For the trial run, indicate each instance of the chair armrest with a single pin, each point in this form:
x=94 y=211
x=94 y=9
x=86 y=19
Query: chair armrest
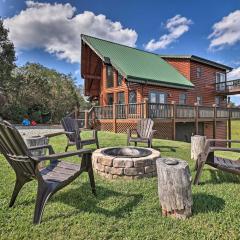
x=49 y=147
x=130 y=131
x=222 y=140
x=86 y=129
x=54 y=134
x=94 y=131
x=61 y=155
x=39 y=147
x=152 y=133
x=212 y=149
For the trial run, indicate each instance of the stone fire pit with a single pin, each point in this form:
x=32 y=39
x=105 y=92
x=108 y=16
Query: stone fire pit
x=125 y=162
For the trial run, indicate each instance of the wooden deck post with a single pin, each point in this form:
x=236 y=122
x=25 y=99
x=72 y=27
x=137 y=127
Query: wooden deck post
x=229 y=125
x=86 y=119
x=114 y=118
x=214 y=120
x=145 y=108
x=173 y=120
x=196 y=118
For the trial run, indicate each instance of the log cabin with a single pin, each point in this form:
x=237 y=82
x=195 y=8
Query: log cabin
x=183 y=94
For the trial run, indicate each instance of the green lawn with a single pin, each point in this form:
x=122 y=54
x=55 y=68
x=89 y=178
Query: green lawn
x=123 y=209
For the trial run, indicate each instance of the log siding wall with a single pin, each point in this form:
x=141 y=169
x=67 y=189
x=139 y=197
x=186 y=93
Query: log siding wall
x=204 y=87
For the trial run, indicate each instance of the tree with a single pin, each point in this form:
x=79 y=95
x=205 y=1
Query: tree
x=7 y=57
x=36 y=90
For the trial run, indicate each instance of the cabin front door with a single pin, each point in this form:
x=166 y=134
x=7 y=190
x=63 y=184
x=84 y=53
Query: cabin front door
x=157 y=109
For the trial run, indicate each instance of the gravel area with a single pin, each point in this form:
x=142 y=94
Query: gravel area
x=38 y=130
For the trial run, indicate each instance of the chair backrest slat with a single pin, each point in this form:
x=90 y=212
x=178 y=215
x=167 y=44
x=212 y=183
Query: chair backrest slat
x=144 y=127
x=15 y=150
x=70 y=125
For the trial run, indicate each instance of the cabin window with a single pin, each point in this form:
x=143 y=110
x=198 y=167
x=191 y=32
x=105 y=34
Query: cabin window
x=132 y=100
x=119 y=80
x=120 y=98
x=199 y=72
x=220 y=81
x=218 y=101
x=158 y=97
x=109 y=76
x=199 y=100
x=110 y=99
x=183 y=99
x=132 y=96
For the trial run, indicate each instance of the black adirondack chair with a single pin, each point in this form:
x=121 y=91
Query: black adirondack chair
x=144 y=132
x=73 y=134
x=50 y=179
x=208 y=157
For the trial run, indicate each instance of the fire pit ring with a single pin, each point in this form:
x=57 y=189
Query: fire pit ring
x=125 y=162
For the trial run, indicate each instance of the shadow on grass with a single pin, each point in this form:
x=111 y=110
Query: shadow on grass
x=203 y=203
x=165 y=148
x=218 y=176
x=84 y=201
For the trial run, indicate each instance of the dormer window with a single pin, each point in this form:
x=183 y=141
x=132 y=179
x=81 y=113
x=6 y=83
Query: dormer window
x=109 y=76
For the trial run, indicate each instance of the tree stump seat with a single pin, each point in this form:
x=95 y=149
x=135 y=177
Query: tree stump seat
x=174 y=187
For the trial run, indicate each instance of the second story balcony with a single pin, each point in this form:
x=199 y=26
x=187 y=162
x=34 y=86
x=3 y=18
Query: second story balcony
x=230 y=87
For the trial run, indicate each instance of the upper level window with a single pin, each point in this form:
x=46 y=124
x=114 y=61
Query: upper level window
x=110 y=99
x=199 y=100
x=199 y=72
x=119 y=79
x=109 y=76
x=220 y=81
x=183 y=98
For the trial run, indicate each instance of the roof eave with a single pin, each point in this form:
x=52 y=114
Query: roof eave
x=158 y=83
x=199 y=59
x=103 y=58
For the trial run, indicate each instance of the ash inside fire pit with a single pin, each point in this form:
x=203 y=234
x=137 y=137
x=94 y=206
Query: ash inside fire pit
x=127 y=152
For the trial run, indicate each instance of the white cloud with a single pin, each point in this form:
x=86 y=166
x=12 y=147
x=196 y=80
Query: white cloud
x=225 y=32
x=234 y=74
x=56 y=28
x=176 y=27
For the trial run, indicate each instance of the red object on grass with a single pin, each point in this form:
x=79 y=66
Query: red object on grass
x=33 y=123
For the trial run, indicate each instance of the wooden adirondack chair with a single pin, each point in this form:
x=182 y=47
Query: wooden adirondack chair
x=207 y=157
x=144 y=132
x=73 y=134
x=50 y=179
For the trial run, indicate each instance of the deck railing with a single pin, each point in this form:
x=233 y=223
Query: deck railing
x=205 y=112
x=164 y=111
x=168 y=112
x=105 y=112
x=159 y=110
x=228 y=86
x=129 y=111
x=185 y=112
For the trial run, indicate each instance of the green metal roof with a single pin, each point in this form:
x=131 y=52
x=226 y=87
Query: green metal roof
x=137 y=65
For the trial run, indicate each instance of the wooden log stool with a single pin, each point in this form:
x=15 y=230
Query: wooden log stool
x=197 y=147
x=174 y=187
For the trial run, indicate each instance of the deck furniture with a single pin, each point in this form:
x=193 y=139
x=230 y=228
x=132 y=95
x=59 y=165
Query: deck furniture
x=73 y=133
x=208 y=157
x=50 y=179
x=144 y=132
x=174 y=187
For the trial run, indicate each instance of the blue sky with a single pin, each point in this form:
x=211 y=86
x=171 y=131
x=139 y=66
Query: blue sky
x=48 y=31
